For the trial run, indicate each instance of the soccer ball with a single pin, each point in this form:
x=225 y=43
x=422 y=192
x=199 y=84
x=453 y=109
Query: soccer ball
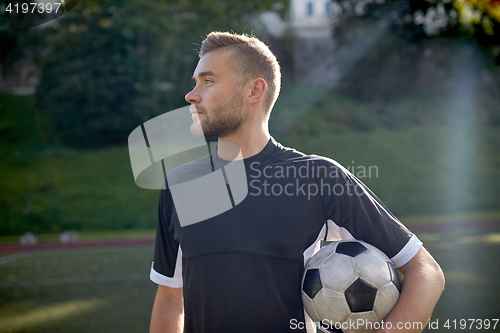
x=350 y=286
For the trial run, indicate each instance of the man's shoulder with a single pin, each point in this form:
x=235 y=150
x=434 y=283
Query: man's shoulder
x=292 y=155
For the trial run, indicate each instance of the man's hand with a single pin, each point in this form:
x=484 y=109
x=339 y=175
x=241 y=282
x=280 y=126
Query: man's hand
x=168 y=311
x=423 y=283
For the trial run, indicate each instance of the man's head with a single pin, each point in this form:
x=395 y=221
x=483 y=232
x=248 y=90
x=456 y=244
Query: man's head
x=250 y=59
x=237 y=82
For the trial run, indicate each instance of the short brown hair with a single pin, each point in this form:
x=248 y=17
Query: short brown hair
x=252 y=59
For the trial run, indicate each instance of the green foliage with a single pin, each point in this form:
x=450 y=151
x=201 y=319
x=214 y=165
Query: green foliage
x=62 y=190
x=431 y=130
x=115 y=64
x=414 y=172
x=17 y=46
x=98 y=80
x=399 y=85
x=420 y=19
x=50 y=189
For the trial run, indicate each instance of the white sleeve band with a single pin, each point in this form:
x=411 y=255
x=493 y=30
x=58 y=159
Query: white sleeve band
x=173 y=282
x=165 y=280
x=407 y=252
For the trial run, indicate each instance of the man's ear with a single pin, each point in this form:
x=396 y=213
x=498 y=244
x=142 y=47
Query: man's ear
x=257 y=90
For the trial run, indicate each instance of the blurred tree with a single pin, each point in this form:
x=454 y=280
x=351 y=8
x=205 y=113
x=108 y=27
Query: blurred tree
x=481 y=18
x=15 y=47
x=112 y=65
x=417 y=19
x=420 y=50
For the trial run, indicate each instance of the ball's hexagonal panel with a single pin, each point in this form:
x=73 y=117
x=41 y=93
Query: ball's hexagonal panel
x=316 y=260
x=372 y=269
x=387 y=297
x=312 y=282
x=338 y=272
x=395 y=278
x=352 y=249
x=367 y=322
x=331 y=306
x=309 y=306
x=360 y=296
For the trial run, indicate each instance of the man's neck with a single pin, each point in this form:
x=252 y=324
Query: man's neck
x=250 y=142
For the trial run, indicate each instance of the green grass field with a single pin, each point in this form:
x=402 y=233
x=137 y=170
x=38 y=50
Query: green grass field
x=84 y=290
x=108 y=289
x=469 y=259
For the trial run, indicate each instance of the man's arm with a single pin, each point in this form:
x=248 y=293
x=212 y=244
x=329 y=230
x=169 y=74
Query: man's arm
x=423 y=283
x=168 y=311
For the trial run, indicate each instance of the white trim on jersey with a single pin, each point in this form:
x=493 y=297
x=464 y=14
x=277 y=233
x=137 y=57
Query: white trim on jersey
x=407 y=252
x=336 y=233
x=172 y=282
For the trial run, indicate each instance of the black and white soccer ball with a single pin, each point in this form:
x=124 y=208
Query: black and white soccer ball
x=351 y=286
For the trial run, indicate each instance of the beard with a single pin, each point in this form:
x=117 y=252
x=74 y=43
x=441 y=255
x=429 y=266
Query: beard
x=224 y=119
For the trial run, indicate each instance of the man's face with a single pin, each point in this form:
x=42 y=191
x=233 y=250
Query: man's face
x=216 y=100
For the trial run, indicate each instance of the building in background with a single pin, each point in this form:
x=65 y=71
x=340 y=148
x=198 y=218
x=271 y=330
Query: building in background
x=309 y=25
x=313 y=18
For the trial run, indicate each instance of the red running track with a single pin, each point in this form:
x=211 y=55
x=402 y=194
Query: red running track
x=77 y=244
x=151 y=240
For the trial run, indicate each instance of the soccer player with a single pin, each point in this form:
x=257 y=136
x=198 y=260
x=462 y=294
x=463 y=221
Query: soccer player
x=241 y=270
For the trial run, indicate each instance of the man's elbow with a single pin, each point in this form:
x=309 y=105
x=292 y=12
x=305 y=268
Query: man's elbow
x=426 y=270
x=438 y=275
x=433 y=273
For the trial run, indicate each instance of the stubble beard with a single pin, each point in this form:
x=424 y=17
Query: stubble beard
x=224 y=120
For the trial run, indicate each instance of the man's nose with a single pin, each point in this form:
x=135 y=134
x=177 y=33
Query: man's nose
x=193 y=97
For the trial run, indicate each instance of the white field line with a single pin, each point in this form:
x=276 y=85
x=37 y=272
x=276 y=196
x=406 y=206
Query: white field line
x=14 y=257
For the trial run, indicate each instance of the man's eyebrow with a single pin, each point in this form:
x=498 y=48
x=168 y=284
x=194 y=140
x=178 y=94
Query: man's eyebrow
x=203 y=74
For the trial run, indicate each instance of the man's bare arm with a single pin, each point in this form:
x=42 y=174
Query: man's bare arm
x=168 y=311
x=423 y=283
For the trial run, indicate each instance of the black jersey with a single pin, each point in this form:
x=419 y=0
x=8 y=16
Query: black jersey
x=241 y=270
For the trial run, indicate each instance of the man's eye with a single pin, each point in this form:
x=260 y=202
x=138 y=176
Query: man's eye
x=207 y=81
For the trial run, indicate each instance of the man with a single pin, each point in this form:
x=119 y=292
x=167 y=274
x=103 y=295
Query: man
x=240 y=271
